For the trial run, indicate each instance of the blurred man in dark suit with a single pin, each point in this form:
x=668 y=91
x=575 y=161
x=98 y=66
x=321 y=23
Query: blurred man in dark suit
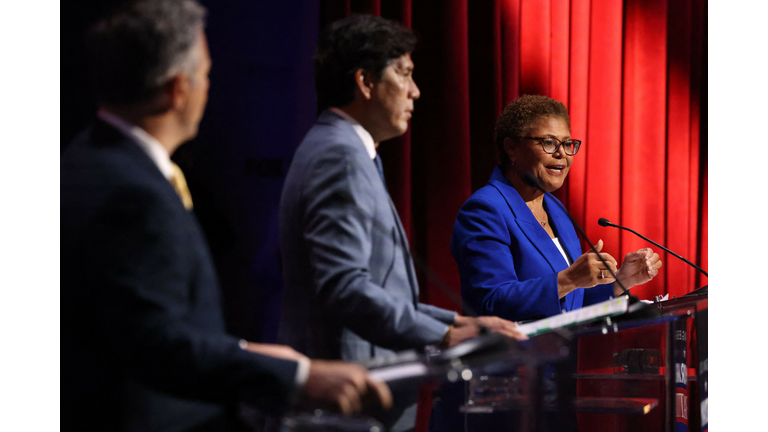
x=143 y=340
x=351 y=288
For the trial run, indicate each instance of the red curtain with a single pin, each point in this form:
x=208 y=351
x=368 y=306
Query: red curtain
x=633 y=76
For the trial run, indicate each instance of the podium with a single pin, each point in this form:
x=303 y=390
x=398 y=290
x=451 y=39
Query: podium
x=610 y=367
x=489 y=355
x=656 y=360
x=644 y=369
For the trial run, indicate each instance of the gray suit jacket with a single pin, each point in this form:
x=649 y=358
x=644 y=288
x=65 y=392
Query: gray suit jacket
x=350 y=286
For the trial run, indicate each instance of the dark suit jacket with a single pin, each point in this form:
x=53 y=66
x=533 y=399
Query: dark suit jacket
x=507 y=262
x=143 y=340
x=350 y=286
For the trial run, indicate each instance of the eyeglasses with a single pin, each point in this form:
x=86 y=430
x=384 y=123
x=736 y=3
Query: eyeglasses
x=550 y=145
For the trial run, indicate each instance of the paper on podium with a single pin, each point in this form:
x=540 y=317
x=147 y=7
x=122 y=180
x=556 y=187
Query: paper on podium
x=400 y=371
x=614 y=306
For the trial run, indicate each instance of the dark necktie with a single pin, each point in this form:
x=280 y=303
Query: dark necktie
x=380 y=168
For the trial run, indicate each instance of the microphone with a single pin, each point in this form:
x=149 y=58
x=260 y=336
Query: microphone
x=532 y=181
x=605 y=223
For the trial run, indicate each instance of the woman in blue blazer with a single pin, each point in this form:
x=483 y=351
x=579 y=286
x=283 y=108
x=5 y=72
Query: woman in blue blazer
x=517 y=252
x=516 y=249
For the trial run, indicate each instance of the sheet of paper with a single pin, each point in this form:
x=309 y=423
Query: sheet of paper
x=391 y=373
x=610 y=307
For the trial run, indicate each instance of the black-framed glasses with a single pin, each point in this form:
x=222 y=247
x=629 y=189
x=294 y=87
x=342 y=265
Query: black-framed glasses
x=550 y=144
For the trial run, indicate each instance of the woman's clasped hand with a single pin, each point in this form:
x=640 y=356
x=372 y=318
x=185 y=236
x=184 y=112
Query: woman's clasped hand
x=589 y=270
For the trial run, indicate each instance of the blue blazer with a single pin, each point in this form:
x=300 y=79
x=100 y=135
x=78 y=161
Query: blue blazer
x=507 y=262
x=143 y=343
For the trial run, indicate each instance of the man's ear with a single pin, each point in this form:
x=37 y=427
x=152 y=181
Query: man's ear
x=364 y=83
x=177 y=91
x=509 y=149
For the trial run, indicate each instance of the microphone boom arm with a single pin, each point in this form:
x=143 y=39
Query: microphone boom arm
x=591 y=245
x=656 y=244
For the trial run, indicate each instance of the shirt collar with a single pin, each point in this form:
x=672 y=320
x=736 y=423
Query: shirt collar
x=361 y=132
x=146 y=142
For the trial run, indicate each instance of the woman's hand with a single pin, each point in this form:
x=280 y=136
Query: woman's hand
x=587 y=271
x=637 y=268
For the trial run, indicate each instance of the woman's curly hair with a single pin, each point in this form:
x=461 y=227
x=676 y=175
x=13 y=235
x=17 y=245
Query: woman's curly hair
x=519 y=115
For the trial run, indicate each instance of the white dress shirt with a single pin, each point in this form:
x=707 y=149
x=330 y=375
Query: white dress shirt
x=559 y=245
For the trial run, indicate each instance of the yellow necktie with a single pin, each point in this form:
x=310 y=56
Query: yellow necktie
x=180 y=184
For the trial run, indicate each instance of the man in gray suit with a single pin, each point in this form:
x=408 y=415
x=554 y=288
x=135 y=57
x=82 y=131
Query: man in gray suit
x=350 y=286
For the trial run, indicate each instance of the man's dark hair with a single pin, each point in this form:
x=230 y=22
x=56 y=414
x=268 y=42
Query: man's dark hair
x=135 y=51
x=521 y=114
x=356 y=42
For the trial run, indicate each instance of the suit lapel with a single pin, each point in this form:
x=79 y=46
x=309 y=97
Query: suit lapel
x=104 y=135
x=406 y=252
x=570 y=242
x=528 y=224
x=562 y=224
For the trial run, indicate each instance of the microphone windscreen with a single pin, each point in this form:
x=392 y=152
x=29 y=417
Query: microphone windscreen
x=531 y=180
x=603 y=222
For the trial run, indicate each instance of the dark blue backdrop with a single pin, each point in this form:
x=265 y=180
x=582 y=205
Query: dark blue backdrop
x=261 y=103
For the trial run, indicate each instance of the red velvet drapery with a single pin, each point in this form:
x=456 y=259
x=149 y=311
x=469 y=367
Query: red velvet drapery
x=633 y=76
